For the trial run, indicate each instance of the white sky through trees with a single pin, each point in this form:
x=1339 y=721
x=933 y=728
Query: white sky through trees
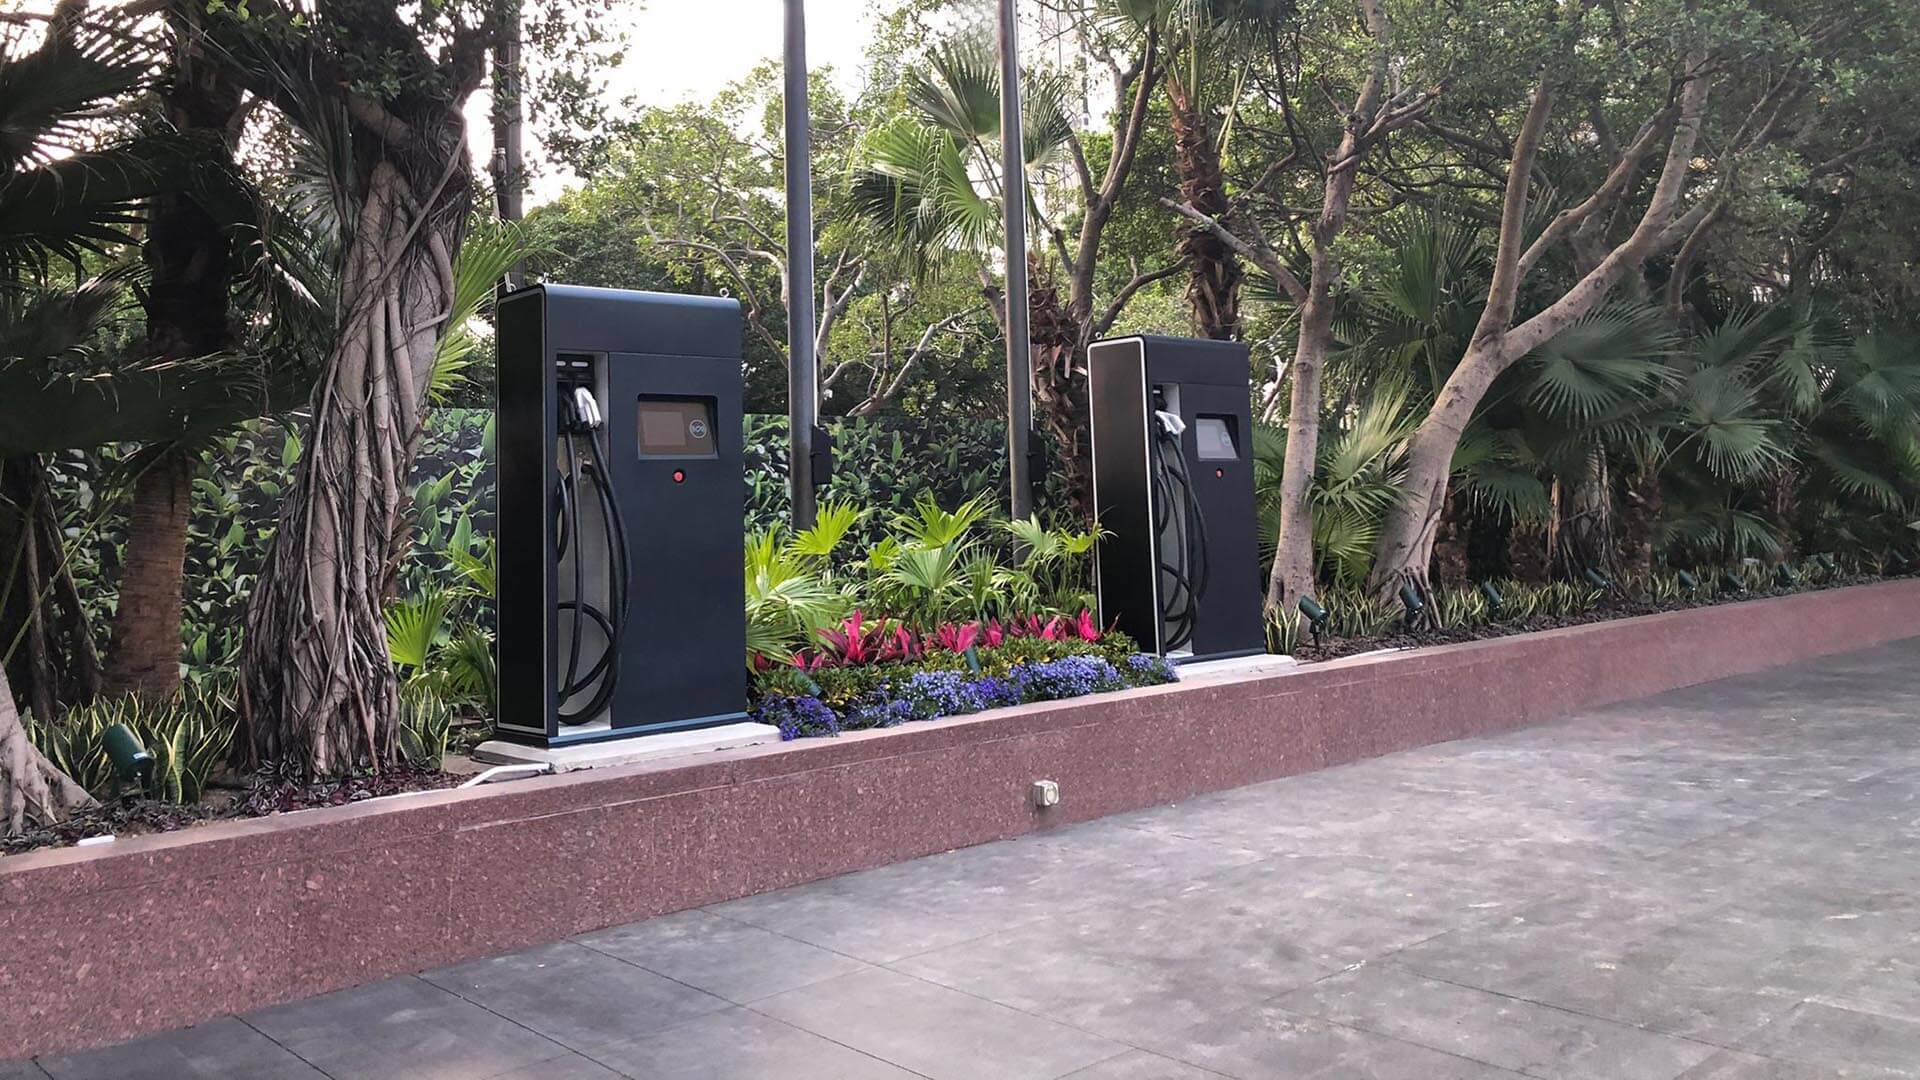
x=680 y=50
x=676 y=50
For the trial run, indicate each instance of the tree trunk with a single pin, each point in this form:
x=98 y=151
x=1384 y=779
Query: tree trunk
x=1406 y=540
x=1640 y=514
x=1450 y=542
x=45 y=642
x=1528 y=556
x=318 y=688
x=1060 y=385
x=1213 y=270
x=1583 y=519
x=189 y=256
x=1292 y=575
x=144 y=657
x=1407 y=535
x=31 y=789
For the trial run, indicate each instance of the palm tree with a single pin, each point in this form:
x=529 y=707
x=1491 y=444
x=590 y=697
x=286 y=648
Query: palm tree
x=67 y=194
x=1210 y=40
x=932 y=184
x=1355 y=479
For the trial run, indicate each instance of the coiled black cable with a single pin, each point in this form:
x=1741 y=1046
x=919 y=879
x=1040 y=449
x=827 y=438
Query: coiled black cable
x=606 y=669
x=1189 y=570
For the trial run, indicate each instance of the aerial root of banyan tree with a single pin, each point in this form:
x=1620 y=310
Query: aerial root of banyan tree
x=318 y=688
x=32 y=790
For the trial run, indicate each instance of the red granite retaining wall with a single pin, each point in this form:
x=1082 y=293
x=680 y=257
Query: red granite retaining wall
x=98 y=944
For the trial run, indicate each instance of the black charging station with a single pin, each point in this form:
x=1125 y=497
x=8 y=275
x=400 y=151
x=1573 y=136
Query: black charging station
x=621 y=497
x=1178 y=563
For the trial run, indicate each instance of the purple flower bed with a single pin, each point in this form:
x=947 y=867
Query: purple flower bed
x=929 y=695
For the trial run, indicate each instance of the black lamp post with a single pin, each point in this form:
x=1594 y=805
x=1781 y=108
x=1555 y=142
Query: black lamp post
x=803 y=384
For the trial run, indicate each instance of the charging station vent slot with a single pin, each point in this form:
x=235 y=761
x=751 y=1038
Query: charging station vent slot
x=574 y=369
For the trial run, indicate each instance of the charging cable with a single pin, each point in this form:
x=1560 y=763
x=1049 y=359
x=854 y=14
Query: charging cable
x=1187 y=572
x=584 y=444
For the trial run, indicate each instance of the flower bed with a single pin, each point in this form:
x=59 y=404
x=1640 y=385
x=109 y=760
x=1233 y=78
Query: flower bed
x=869 y=675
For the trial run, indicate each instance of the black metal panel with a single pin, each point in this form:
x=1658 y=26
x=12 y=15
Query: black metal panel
x=1229 y=620
x=523 y=536
x=1125 y=558
x=683 y=654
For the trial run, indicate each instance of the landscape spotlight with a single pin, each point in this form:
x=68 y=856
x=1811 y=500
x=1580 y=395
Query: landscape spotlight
x=1730 y=582
x=1688 y=582
x=1410 y=599
x=1317 y=616
x=1898 y=561
x=1783 y=575
x=132 y=763
x=1494 y=600
x=1597 y=579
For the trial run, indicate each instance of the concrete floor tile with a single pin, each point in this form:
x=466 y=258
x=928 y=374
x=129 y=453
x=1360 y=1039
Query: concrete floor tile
x=1269 y=1042
x=723 y=957
x=402 y=1029
x=740 y=1044
x=218 y=1048
x=1123 y=975
x=1890 y=987
x=21 y=1070
x=1734 y=1065
x=1831 y=1037
x=565 y=1067
x=1483 y=1026
x=937 y=1032
x=574 y=995
x=1140 y=1065
x=845 y=916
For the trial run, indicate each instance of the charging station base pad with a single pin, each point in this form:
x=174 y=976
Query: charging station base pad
x=600 y=755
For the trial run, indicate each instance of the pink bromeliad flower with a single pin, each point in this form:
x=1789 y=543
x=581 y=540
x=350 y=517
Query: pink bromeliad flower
x=957 y=637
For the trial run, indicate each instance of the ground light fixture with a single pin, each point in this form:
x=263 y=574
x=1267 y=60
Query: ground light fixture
x=1410 y=599
x=1688 y=582
x=1317 y=616
x=1784 y=576
x=132 y=762
x=1597 y=579
x=1730 y=582
x=1491 y=593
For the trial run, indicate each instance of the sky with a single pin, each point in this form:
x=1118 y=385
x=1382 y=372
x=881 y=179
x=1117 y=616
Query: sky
x=690 y=49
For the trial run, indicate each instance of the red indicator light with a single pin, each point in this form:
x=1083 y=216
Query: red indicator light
x=1219 y=472
x=679 y=476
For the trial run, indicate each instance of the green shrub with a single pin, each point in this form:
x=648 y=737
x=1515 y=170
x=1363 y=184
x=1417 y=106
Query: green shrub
x=426 y=727
x=1284 y=631
x=188 y=736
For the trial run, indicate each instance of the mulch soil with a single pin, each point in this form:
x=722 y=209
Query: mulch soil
x=264 y=794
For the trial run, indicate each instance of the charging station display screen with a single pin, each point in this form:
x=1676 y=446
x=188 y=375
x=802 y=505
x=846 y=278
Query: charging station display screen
x=1213 y=438
x=676 y=427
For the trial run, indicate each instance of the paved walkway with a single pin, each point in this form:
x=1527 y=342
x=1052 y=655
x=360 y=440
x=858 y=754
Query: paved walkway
x=1717 y=884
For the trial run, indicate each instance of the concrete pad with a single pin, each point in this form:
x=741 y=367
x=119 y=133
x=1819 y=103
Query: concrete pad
x=1236 y=667
x=601 y=755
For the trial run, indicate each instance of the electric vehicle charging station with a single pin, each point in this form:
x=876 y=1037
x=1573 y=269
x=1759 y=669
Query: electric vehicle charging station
x=1178 y=565
x=621 y=496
